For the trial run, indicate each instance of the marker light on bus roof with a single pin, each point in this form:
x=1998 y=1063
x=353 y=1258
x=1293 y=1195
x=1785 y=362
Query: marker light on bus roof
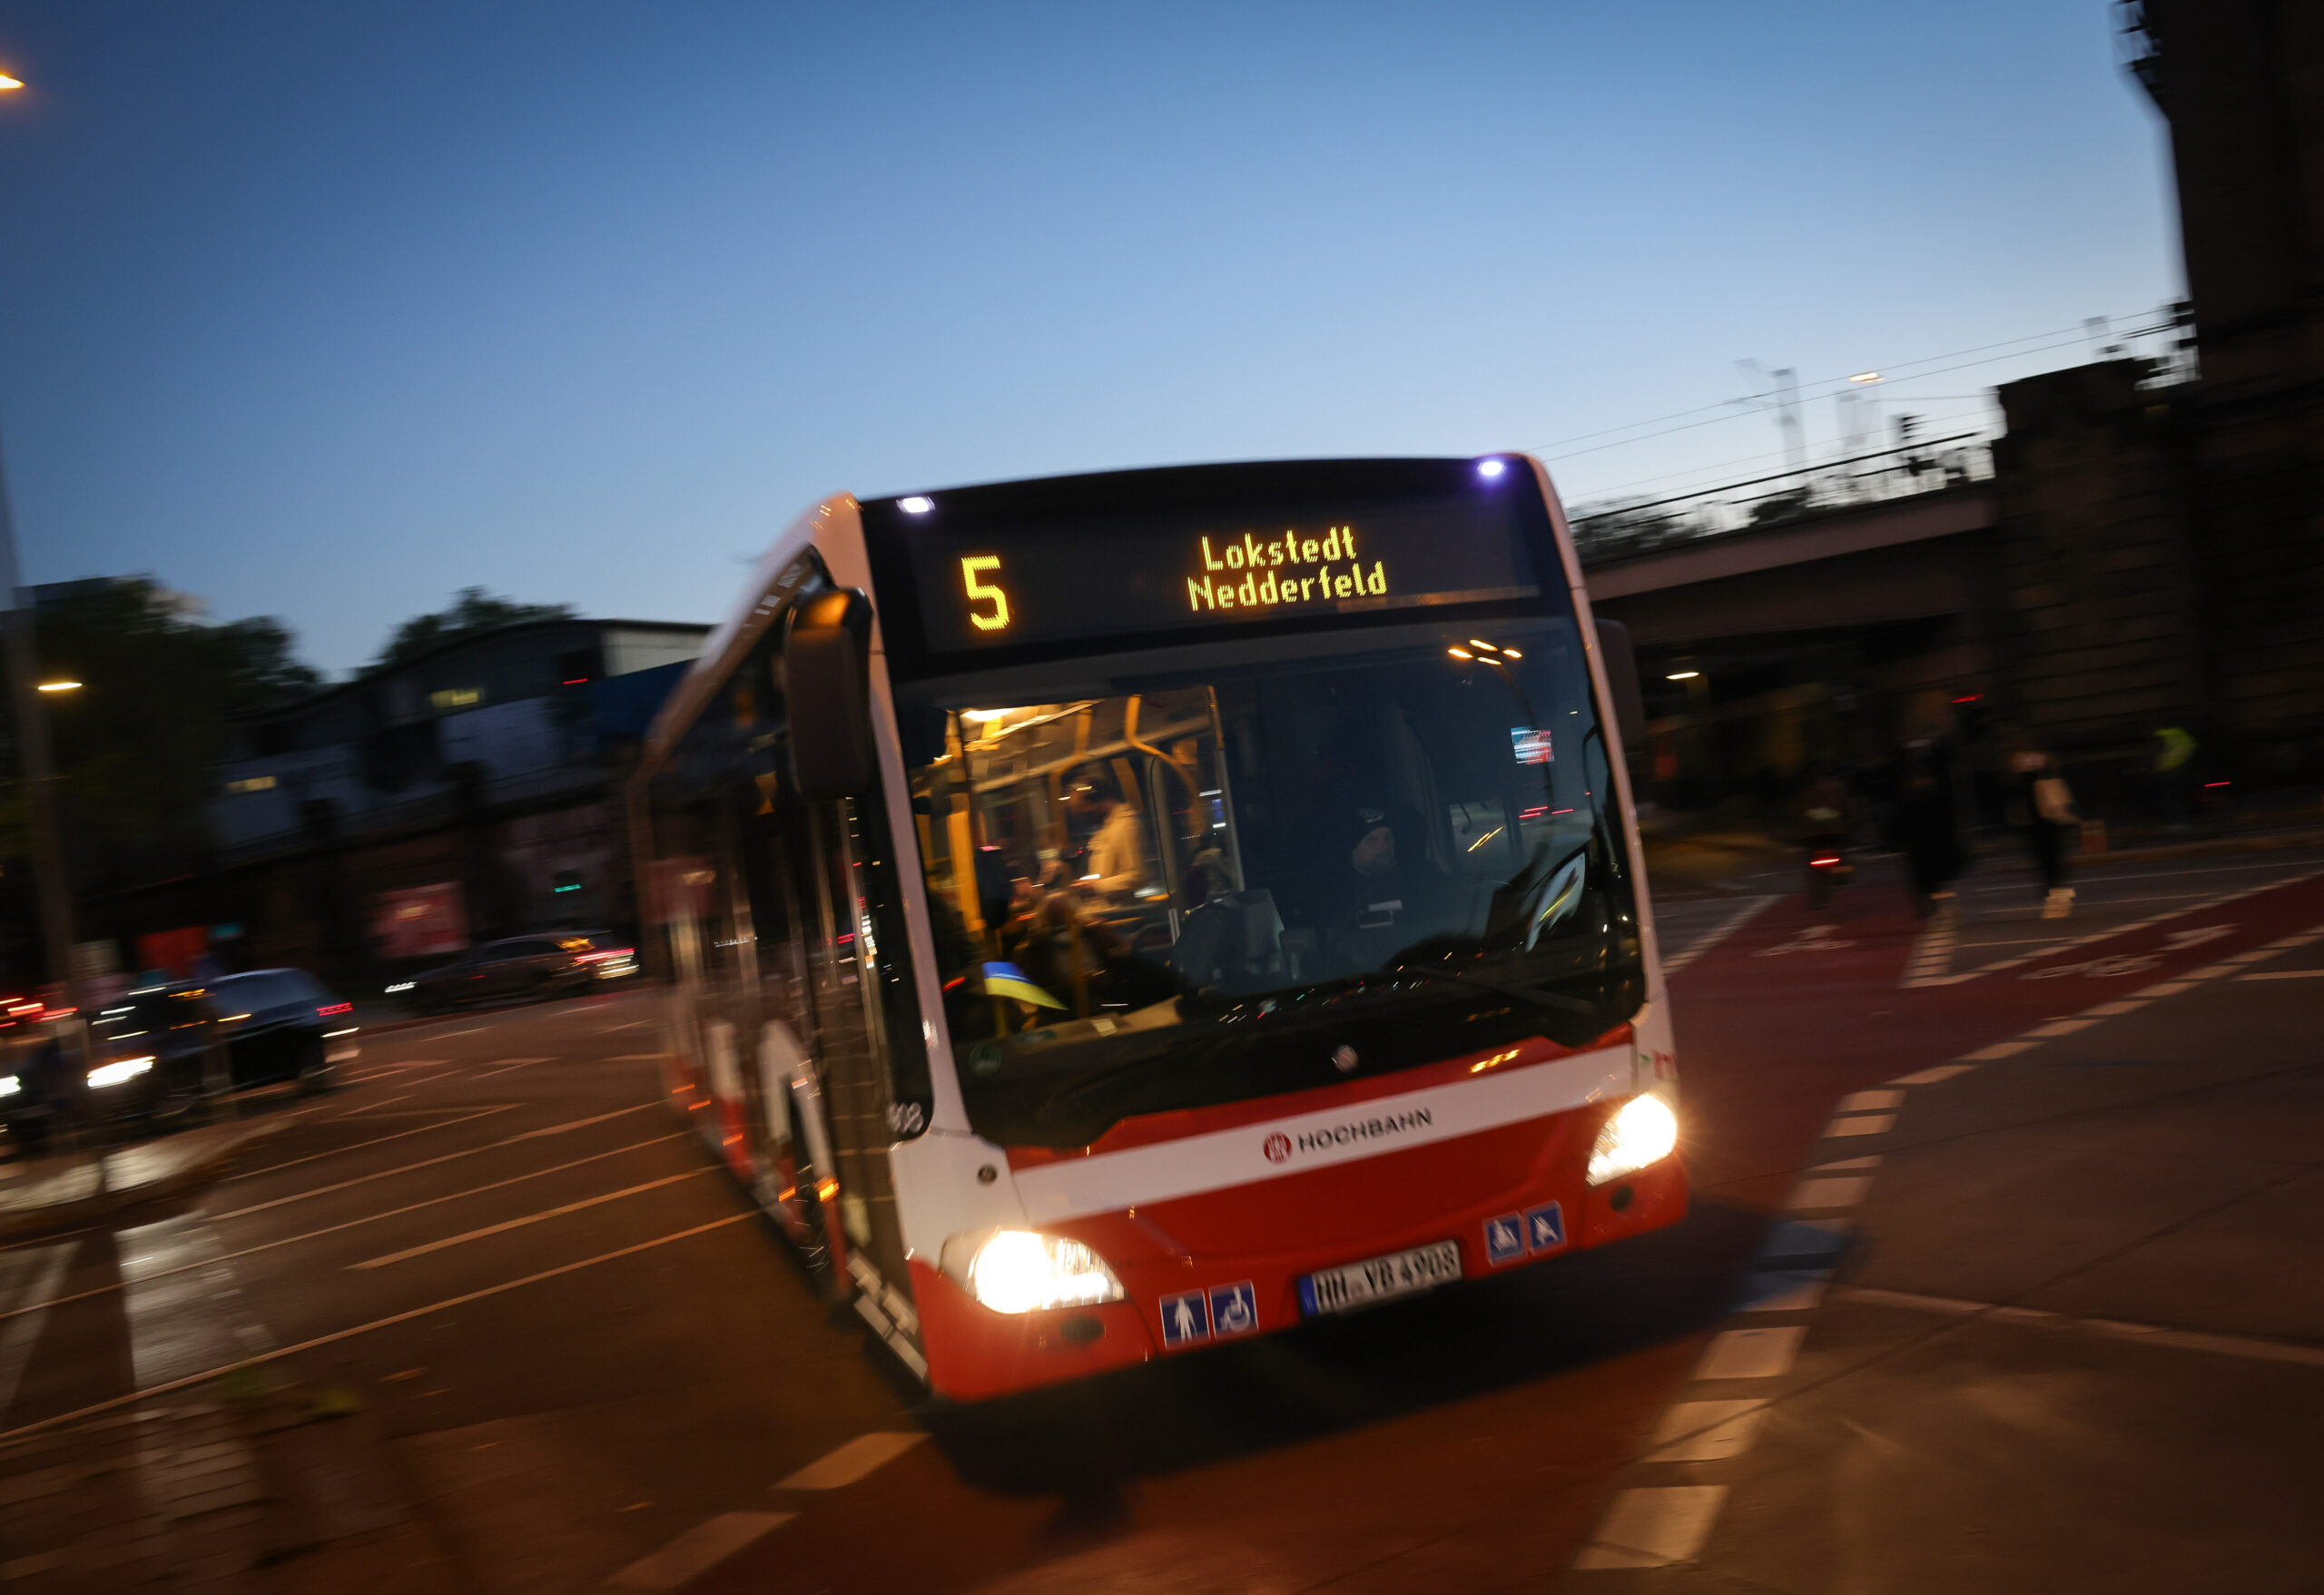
x=1643 y=1130
x=1490 y=468
x=918 y=504
x=1017 y=1271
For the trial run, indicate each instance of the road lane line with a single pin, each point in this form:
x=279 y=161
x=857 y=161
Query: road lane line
x=361 y=1179
x=698 y=1550
x=1875 y=1101
x=1869 y=1124
x=1824 y=1195
x=857 y=1459
x=374 y=1141
x=2111 y=930
x=1752 y=1353
x=292 y=1240
x=1930 y=1076
x=368 y=1108
x=1655 y=1527
x=2284 y=975
x=632 y=1024
x=510 y=1063
x=390 y=1321
x=1718 y=934
x=1707 y=1431
x=542 y=1216
x=2252 y=1347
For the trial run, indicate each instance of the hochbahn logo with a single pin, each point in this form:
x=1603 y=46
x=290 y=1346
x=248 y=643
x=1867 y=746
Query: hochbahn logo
x=1278 y=1147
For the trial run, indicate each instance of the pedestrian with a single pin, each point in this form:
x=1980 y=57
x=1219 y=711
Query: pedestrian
x=2173 y=770
x=2040 y=806
x=1928 y=827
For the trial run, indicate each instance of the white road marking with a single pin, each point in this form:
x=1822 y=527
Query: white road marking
x=39 y=1272
x=361 y=1179
x=1654 y=1527
x=392 y=1319
x=181 y=1304
x=1827 y=1196
x=2190 y=1340
x=1742 y=916
x=289 y=1240
x=698 y=1550
x=1870 y=1124
x=1783 y=1290
x=2284 y=975
x=632 y=1024
x=1931 y=1077
x=540 y=1217
x=1707 y=1431
x=508 y=1063
x=2111 y=930
x=858 y=1458
x=367 y=1107
x=374 y=1141
x=1879 y=1101
x=1931 y=956
x=447 y=1035
x=1846 y=1164
x=1752 y=1353
x=1997 y=1051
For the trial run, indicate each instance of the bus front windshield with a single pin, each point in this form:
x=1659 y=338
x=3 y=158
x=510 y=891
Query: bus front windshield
x=1314 y=858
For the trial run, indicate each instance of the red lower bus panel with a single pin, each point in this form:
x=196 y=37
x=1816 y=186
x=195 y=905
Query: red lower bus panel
x=975 y=1353
x=1233 y=1258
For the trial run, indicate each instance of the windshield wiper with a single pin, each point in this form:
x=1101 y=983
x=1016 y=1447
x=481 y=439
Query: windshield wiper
x=1533 y=995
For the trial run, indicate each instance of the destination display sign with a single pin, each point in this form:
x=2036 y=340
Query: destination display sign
x=988 y=586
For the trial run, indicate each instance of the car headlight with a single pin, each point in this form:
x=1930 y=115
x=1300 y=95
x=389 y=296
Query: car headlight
x=118 y=1073
x=10 y=1085
x=1643 y=1130
x=1018 y=1270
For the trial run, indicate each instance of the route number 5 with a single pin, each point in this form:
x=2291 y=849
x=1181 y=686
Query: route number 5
x=981 y=591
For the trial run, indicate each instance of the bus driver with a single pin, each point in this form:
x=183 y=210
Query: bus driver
x=1118 y=847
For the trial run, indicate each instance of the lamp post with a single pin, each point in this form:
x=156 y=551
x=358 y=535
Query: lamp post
x=32 y=759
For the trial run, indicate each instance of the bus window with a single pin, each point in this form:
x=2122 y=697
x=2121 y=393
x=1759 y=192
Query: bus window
x=1140 y=874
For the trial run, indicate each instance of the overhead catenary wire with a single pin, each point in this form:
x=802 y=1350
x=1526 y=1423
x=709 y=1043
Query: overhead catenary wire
x=2060 y=337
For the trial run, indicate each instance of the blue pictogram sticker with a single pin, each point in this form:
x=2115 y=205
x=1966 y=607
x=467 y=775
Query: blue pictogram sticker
x=1504 y=1240
x=1544 y=1228
x=1185 y=1318
x=1235 y=1309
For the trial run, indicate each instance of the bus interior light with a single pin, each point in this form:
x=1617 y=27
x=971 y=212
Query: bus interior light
x=1018 y=1270
x=1643 y=1131
x=10 y=1085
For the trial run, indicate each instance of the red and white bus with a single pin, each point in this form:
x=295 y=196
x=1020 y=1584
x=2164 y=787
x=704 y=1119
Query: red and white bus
x=1113 y=915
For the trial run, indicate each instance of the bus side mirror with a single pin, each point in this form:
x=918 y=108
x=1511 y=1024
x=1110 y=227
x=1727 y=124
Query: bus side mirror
x=827 y=694
x=1620 y=660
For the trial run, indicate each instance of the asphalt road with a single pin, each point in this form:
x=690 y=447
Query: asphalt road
x=581 y=1353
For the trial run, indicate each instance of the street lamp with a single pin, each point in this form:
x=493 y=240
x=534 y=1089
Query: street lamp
x=7 y=83
x=60 y=686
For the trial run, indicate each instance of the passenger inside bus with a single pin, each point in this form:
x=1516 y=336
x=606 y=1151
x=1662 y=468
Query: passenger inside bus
x=1117 y=845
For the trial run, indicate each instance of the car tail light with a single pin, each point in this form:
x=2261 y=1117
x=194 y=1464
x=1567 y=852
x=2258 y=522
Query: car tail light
x=334 y=1008
x=1826 y=858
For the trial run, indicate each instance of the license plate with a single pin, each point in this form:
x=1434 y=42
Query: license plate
x=1382 y=1279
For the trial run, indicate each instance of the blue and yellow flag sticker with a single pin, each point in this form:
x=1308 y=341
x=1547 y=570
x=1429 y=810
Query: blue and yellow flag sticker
x=1004 y=980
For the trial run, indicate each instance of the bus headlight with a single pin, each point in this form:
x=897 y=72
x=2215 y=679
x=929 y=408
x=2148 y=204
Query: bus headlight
x=118 y=1073
x=10 y=1085
x=1018 y=1270
x=1643 y=1130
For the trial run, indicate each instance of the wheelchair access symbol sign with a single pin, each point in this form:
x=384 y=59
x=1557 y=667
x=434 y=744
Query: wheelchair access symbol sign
x=1234 y=1309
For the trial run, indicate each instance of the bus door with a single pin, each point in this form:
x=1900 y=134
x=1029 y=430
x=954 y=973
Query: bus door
x=848 y=903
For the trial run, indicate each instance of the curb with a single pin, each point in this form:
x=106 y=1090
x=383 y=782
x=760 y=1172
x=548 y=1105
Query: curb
x=33 y=1223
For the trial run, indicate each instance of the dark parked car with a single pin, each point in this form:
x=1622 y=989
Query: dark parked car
x=151 y=1056
x=554 y=963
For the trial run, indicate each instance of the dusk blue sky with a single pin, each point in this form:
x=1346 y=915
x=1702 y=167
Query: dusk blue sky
x=325 y=310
